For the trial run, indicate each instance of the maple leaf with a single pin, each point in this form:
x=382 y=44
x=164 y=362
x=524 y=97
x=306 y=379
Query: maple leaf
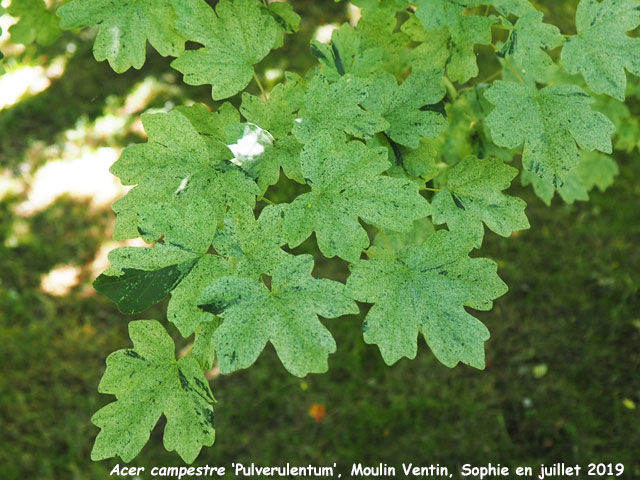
x=346 y=54
x=423 y=289
x=148 y=382
x=184 y=183
x=124 y=27
x=465 y=31
x=594 y=169
x=472 y=195
x=36 y=23
x=278 y=113
x=333 y=107
x=528 y=41
x=602 y=50
x=550 y=123
x=236 y=36
x=285 y=314
x=346 y=184
x=406 y=107
x=252 y=246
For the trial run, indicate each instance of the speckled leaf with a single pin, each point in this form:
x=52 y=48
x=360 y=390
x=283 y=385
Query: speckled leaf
x=124 y=27
x=505 y=7
x=285 y=16
x=36 y=23
x=252 y=246
x=549 y=122
x=236 y=36
x=472 y=195
x=202 y=349
x=424 y=290
x=602 y=50
x=183 y=185
x=410 y=108
x=465 y=31
x=336 y=107
x=140 y=277
x=346 y=184
x=285 y=315
x=529 y=40
x=148 y=382
x=594 y=169
x=346 y=54
x=278 y=113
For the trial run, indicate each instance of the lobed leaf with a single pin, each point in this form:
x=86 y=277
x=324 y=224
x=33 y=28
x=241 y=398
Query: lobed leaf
x=148 y=382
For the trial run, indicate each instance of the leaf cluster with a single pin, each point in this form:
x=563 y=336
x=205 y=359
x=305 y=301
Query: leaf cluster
x=403 y=150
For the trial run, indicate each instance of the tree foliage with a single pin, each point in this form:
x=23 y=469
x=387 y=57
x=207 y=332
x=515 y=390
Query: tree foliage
x=403 y=148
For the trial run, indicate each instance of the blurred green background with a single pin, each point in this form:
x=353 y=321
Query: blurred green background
x=561 y=382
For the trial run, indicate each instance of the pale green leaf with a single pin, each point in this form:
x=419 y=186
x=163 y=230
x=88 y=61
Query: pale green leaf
x=424 y=290
x=602 y=50
x=140 y=277
x=278 y=113
x=124 y=27
x=36 y=23
x=594 y=169
x=183 y=185
x=347 y=184
x=465 y=31
x=472 y=195
x=336 y=107
x=148 y=382
x=236 y=36
x=528 y=42
x=551 y=123
x=409 y=108
x=252 y=246
x=285 y=315
x=347 y=54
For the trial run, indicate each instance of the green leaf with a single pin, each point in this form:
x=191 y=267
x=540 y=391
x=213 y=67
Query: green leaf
x=183 y=184
x=202 y=349
x=528 y=41
x=424 y=290
x=333 y=107
x=124 y=27
x=261 y=156
x=36 y=23
x=252 y=246
x=279 y=149
x=595 y=169
x=378 y=31
x=549 y=122
x=136 y=289
x=516 y=7
x=236 y=36
x=346 y=184
x=148 y=382
x=346 y=54
x=140 y=277
x=370 y=7
x=278 y=113
x=465 y=31
x=602 y=50
x=472 y=195
x=409 y=108
x=285 y=315
x=285 y=16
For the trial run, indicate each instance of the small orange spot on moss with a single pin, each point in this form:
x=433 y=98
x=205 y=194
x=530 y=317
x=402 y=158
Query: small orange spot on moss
x=317 y=412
